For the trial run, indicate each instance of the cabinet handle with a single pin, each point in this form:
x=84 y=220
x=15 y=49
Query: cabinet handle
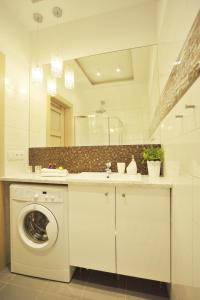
x=106 y=194
x=123 y=195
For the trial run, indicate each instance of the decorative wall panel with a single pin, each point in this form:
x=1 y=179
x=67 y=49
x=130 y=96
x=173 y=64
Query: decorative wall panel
x=182 y=76
x=88 y=158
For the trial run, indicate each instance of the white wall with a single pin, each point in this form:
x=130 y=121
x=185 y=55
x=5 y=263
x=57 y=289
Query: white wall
x=128 y=101
x=14 y=41
x=181 y=140
x=121 y=29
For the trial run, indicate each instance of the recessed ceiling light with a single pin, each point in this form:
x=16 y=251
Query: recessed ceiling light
x=118 y=70
x=98 y=74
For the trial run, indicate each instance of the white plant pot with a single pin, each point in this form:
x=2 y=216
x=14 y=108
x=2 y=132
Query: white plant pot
x=153 y=168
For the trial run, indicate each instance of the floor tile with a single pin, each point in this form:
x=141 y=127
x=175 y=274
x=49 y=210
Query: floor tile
x=85 y=285
x=6 y=275
x=2 y=285
x=97 y=293
x=10 y=292
x=72 y=289
x=47 y=296
x=30 y=282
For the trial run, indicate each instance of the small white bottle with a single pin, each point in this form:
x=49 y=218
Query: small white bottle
x=132 y=167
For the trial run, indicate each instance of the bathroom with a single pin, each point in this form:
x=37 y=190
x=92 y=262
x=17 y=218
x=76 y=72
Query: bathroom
x=156 y=43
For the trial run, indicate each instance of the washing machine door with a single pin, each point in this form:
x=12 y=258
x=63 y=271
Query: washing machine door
x=37 y=227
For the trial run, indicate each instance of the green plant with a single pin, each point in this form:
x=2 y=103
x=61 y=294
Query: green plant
x=153 y=153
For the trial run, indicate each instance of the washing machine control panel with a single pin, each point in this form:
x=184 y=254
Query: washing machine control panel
x=38 y=194
x=45 y=197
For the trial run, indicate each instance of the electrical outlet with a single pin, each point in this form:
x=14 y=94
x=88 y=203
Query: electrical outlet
x=15 y=155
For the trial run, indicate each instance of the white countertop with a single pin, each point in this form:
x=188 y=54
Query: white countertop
x=91 y=178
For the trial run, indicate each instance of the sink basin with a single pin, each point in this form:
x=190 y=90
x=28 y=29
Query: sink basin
x=93 y=175
x=112 y=176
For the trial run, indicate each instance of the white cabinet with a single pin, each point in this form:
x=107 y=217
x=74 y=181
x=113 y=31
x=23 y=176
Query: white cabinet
x=120 y=229
x=92 y=227
x=143 y=232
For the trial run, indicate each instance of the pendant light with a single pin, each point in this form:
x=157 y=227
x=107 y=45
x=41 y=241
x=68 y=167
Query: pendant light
x=56 y=60
x=69 y=79
x=37 y=70
x=51 y=87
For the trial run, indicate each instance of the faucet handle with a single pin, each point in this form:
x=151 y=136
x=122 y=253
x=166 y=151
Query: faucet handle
x=108 y=164
x=108 y=168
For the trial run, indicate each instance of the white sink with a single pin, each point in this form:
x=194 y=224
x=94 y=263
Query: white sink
x=112 y=176
x=93 y=175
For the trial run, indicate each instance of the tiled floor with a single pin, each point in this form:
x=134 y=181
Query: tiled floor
x=85 y=285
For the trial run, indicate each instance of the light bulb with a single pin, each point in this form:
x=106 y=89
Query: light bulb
x=69 y=79
x=56 y=66
x=51 y=87
x=37 y=74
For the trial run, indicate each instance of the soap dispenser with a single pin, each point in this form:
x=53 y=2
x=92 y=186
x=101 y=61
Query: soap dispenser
x=132 y=167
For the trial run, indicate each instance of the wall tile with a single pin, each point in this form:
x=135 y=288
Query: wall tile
x=88 y=158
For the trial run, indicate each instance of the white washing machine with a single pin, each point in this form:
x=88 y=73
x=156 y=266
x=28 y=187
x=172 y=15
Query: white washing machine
x=39 y=231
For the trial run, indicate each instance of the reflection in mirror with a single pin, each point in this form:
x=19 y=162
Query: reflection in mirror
x=111 y=102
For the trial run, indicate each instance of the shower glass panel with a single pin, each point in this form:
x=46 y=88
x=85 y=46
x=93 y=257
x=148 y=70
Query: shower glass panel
x=97 y=130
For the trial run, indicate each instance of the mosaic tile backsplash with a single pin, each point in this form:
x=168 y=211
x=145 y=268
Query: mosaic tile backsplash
x=88 y=158
x=182 y=76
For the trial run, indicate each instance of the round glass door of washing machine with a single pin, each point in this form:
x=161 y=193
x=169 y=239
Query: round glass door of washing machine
x=37 y=227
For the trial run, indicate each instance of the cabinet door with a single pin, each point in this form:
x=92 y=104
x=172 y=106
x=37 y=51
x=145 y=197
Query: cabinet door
x=92 y=227
x=143 y=232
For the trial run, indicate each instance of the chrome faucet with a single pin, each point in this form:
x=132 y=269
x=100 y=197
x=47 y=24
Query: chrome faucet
x=108 y=168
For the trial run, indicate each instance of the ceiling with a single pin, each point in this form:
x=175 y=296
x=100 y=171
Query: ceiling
x=72 y=9
x=107 y=67
x=134 y=64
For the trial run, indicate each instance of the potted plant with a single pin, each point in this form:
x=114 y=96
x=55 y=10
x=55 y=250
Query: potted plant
x=154 y=156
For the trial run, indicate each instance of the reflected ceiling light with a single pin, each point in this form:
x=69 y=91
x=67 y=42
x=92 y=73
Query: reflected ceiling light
x=37 y=70
x=56 y=66
x=56 y=60
x=69 y=79
x=37 y=74
x=118 y=70
x=98 y=74
x=51 y=87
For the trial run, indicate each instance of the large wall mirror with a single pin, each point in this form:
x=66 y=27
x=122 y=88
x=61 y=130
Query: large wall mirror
x=111 y=103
